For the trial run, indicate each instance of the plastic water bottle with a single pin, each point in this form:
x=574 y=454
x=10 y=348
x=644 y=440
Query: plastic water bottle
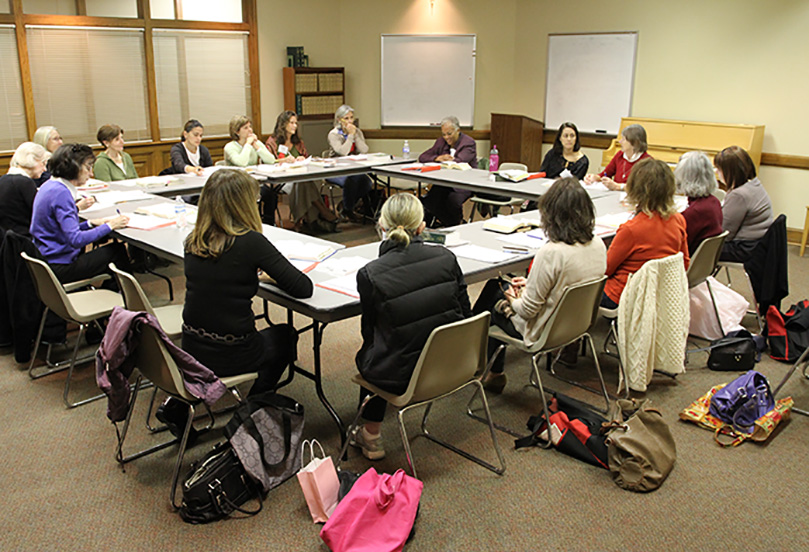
x=494 y=159
x=406 y=150
x=179 y=213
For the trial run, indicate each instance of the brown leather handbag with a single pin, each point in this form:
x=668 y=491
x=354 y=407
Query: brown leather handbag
x=640 y=447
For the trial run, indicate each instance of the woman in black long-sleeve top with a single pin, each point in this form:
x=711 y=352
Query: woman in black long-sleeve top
x=189 y=155
x=565 y=154
x=223 y=255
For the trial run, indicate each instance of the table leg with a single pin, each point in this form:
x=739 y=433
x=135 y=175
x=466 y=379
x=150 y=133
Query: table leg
x=317 y=338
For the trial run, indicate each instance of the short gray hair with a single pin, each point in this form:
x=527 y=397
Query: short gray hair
x=694 y=175
x=28 y=154
x=42 y=135
x=452 y=120
x=341 y=112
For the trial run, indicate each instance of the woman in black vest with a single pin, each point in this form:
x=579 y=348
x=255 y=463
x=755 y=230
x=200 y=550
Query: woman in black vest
x=411 y=289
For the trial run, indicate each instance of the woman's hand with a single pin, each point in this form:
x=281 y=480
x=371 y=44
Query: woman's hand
x=611 y=184
x=191 y=169
x=592 y=178
x=85 y=202
x=116 y=222
x=443 y=158
x=251 y=141
x=350 y=128
x=518 y=282
x=287 y=159
x=512 y=293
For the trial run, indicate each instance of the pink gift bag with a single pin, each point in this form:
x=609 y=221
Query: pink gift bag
x=376 y=515
x=319 y=482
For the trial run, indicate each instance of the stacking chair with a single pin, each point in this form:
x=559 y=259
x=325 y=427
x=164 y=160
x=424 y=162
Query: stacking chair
x=493 y=203
x=154 y=363
x=80 y=307
x=703 y=264
x=169 y=316
x=570 y=321
x=803 y=361
x=452 y=356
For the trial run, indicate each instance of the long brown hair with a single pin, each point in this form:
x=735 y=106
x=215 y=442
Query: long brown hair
x=567 y=212
x=736 y=165
x=280 y=131
x=651 y=188
x=227 y=208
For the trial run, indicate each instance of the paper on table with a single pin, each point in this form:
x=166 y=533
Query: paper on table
x=93 y=185
x=303 y=266
x=340 y=266
x=113 y=197
x=522 y=239
x=147 y=222
x=208 y=171
x=595 y=186
x=483 y=254
x=613 y=220
x=295 y=249
x=347 y=285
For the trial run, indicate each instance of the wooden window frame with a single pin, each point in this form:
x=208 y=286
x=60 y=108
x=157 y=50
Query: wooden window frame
x=144 y=20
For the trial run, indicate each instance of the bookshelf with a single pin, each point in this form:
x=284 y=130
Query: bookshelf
x=314 y=92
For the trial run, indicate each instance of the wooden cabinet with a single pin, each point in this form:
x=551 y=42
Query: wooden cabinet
x=314 y=92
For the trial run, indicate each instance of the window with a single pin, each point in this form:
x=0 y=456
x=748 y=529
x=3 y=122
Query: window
x=200 y=75
x=106 y=8
x=55 y=7
x=86 y=77
x=225 y=11
x=12 y=126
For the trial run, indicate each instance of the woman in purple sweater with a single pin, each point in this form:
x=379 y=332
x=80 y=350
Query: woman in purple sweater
x=55 y=226
x=695 y=179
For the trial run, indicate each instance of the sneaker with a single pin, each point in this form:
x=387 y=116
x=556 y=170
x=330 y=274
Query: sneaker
x=371 y=445
x=174 y=414
x=495 y=382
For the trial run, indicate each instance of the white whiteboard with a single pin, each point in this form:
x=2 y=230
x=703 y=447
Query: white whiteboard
x=590 y=80
x=426 y=78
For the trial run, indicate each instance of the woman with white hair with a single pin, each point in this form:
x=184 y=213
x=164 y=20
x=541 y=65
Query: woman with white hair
x=695 y=179
x=347 y=139
x=50 y=139
x=411 y=289
x=18 y=188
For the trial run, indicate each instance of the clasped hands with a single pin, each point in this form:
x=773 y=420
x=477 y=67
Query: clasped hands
x=516 y=288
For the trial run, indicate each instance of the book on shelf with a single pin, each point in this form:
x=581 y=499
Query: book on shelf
x=507 y=225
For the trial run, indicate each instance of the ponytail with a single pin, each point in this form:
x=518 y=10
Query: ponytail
x=401 y=216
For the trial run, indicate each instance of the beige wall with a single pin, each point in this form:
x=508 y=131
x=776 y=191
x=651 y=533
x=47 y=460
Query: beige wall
x=735 y=61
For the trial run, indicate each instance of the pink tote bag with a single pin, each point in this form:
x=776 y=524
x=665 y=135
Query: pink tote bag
x=376 y=515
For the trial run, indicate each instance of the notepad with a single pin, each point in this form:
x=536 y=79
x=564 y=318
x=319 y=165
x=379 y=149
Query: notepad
x=347 y=285
x=147 y=222
x=483 y=254
x=113 y=197
x=522 y=239
x=151 y=182
x=309 y=251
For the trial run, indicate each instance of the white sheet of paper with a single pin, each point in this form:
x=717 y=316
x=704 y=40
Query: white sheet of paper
x=147 y=222
x=483 y=254
x=522 y=239
x=340 y=266
x=346 y=285
x=113 y=197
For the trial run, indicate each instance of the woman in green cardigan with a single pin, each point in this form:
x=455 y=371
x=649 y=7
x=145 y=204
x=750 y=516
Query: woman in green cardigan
x=113 y=163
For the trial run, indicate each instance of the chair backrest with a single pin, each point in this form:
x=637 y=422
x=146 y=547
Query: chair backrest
x=153 y=360
x=450 y=357
x=221 y=163
x=703 y=261
x=134 y=297
x=576 y=311
x=49 y=289
x=719 y=194
x=512 y=167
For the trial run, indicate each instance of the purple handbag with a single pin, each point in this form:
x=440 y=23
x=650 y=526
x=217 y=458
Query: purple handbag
x=743 y=401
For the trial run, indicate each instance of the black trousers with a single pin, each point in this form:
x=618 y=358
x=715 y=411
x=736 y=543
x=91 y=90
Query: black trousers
x=492 y=293
x=94 y=262
x=375 y=410
x=737 y=251
x=445 y=204
x=269 y=204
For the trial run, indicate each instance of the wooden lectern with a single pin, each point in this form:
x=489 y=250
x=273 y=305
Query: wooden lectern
x=518 y=139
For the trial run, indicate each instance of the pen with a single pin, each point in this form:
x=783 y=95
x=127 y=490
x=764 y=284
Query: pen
x=118 y=211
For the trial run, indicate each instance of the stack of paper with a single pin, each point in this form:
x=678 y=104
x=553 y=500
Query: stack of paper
x=151 y=182
x=113 y=197
x=147 y=222
x=163 y=210
x=347 y=285
x=483 y=254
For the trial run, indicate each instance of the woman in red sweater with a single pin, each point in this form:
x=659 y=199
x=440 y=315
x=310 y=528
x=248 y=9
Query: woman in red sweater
x=655 y=231
x=633 y=149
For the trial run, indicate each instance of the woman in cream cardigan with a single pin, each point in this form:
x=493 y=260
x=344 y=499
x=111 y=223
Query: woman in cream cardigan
x=572 y=255
x=347 y=139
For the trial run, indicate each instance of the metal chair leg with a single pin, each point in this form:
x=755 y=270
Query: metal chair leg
x=350 y=428
x=66 y=394
x=801 y=360
x=180 y=455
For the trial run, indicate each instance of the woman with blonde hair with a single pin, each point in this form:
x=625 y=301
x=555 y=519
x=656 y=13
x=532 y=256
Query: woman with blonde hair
x=656 y=229
x=411 y=289
x=223 y=255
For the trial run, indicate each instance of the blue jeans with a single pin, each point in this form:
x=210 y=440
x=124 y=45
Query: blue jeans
x=354 y=188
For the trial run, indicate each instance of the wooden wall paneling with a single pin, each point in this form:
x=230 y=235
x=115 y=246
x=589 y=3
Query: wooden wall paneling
x=25 y=67
x=151 y=81
x=250 y=16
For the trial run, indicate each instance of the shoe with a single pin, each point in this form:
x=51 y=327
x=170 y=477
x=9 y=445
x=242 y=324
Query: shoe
x=371 y=446
x=495 y=382
x=174 y=414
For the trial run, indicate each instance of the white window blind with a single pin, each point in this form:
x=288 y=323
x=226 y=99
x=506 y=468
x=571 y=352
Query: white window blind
x=55 y=7
x=111 y=8
x=200 y=75
x=87 y=77
x=223 y=11
x=12 y=126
